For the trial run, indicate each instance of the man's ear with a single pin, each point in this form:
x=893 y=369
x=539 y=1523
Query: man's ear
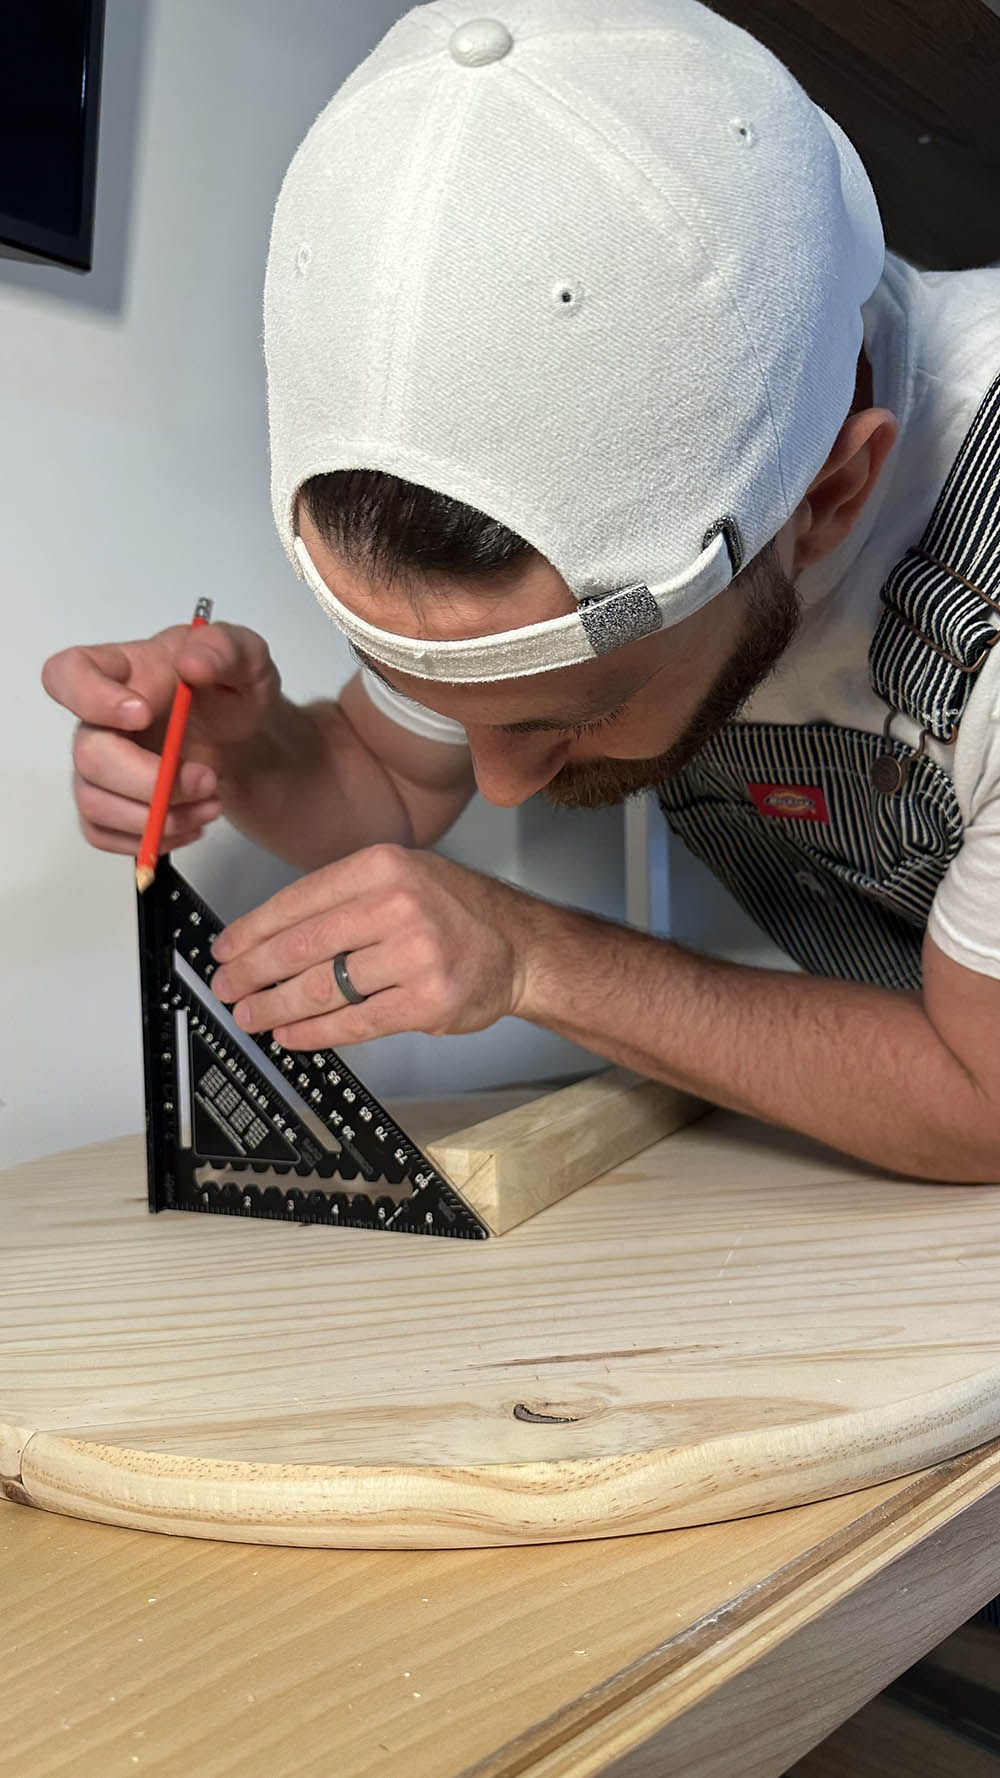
x=836 y=496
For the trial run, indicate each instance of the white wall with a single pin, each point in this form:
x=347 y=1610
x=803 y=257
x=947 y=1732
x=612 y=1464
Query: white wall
x=133 y=477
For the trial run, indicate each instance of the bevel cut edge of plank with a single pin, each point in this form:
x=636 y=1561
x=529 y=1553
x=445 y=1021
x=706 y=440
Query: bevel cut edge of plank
x=431 y=1507
x=511 y=1166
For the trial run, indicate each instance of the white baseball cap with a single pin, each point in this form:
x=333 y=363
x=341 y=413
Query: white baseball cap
x=594 y=267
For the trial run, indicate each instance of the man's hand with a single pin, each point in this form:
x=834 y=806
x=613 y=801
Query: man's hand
x=122 y=693
x=438 y=948
x=873 y=1072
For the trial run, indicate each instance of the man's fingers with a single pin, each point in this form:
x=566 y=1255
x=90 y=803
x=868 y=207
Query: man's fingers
x=383 y=1016
x=225 y=654
x=97 y=682
x=287 y=955
x=119 y=814
x=361 y=874
x=107 y=840
x=315 y=992
x=111 y=762
x=92 y=682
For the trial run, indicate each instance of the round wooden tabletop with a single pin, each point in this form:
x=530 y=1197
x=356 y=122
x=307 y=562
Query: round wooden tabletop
x=734 y=1321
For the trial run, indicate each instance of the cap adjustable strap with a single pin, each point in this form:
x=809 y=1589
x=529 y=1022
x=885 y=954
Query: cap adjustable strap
x=600 y=624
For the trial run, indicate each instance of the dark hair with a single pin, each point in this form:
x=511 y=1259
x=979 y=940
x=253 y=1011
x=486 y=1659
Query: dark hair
x=392 y=529
x=395 y=530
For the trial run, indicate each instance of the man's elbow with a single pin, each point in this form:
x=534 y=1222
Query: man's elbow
x=968 y=1155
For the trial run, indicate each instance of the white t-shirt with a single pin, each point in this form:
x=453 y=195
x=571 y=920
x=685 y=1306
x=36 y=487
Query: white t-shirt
x=933 y=339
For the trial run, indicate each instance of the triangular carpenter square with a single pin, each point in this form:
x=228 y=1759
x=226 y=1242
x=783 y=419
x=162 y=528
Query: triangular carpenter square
x=239 y=1125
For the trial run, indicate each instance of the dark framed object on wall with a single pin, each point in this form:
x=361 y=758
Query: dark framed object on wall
x=50 y=85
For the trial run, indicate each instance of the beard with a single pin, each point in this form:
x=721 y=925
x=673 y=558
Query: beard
x=772 y=618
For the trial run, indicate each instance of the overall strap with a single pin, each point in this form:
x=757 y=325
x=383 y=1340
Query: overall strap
x=942 y=600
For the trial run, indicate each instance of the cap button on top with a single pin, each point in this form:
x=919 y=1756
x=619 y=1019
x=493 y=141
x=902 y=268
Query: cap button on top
x=480 y=41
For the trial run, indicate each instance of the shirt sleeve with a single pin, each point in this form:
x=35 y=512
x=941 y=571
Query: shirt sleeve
x=411 y=715
x=965 y=915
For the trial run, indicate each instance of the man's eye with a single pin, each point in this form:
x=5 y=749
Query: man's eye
x=605 y=721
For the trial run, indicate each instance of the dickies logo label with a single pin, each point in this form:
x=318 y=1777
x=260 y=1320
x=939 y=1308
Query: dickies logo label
x=790 y=802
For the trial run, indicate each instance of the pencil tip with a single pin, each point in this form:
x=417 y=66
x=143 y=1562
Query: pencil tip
x=143 y=876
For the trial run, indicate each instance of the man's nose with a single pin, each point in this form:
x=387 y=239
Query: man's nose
x=510 y=768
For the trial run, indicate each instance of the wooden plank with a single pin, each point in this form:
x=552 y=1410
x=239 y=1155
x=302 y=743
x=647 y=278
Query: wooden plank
x=757 y=1691
x=122 y=1652
x=733 y=1321
x=521 y=1161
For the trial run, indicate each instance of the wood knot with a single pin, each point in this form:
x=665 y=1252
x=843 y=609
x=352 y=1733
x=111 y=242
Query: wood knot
x=523 y=1412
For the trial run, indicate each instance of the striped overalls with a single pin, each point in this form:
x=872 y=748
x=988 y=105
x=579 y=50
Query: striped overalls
x=835 y=840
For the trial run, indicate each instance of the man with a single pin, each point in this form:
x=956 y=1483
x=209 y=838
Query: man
x=601 y=427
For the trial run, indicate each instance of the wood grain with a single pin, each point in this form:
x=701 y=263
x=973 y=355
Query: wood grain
x=730 y=1323
x=704 y=1653
x=774 y=1683
x=519 y=1162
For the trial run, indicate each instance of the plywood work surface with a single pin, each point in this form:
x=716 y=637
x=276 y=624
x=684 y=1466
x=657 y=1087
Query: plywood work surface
x=734 y=1321
x=722 y=1651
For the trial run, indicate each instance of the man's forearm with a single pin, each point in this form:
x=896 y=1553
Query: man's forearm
x=309 y=790
x=858 y=1067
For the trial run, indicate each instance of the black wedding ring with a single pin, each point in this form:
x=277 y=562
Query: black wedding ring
x=344 y=981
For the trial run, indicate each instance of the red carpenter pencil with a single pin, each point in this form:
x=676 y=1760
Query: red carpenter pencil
x=149 y=850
